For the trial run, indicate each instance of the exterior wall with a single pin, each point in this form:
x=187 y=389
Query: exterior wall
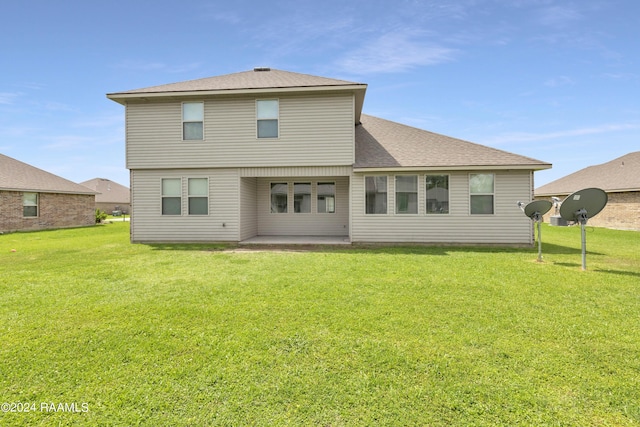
x=248 y=208
x=221 y=223
x=507 y=225
x=309 y=224
x=55 y=210
x=622 y=211
x=313 y=130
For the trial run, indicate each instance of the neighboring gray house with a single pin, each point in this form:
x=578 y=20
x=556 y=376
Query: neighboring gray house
x=275 y=153
x=619 y=178
x=33 y=199
x=110 y=196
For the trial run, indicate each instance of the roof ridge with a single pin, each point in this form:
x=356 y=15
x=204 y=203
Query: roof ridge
x=273 y=78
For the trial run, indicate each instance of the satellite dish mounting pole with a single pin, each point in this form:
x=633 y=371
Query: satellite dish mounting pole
x=579 y=207
x=535 y=211
x=581 y=215
x=538 y=220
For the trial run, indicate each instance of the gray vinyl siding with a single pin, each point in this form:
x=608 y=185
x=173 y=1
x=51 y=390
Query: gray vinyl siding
x=220 y=224
x=248 y=208
x=508 y=225
x=309 y=224
x=296 y=171
x=313 y=131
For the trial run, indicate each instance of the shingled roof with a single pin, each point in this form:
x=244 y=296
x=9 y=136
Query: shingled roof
x=258 y=78
x=621 y=174
x=18 y=176
x=385 y=144
x=108 y=191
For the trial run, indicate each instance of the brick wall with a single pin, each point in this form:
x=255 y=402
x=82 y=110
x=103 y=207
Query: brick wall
x=54 y=211
x=621 y=212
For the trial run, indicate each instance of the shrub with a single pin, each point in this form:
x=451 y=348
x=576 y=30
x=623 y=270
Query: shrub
x=100 y=216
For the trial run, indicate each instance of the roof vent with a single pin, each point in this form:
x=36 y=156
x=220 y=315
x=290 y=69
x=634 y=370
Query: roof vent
x=257 y=69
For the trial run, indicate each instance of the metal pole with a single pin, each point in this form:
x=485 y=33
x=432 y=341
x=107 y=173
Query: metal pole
x=539 y=242
x=584 y=245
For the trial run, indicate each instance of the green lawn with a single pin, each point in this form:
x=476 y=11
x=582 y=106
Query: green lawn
x=193 y=335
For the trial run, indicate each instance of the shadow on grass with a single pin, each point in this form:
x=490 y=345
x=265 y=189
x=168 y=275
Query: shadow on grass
x=564 y=250
x=193 y=247
x=578 y=265
x=389 y=249
x=568 y=264
x=618 y=272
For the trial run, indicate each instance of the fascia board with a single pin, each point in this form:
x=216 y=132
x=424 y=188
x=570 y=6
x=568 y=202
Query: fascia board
x=123 y=97
x=451 y=168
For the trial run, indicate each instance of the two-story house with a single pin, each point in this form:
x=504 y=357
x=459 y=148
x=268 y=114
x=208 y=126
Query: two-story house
x=274 y=153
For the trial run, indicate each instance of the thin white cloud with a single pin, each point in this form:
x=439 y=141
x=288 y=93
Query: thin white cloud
x=8 y=98
x=517 y=137
x=108 y=120
x=156 y=66
x=395 y=52
x=558 y=16
x=70 y=142
x=559 y=81
x=17 y=131
x=622 y=76
x=57 y=106
x=232 y=18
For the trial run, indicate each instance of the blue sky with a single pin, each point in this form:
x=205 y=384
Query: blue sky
x=555 y=80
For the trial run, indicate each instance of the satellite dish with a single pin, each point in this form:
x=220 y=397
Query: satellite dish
x=579 y=207
x=536 y=210
x=583 y=204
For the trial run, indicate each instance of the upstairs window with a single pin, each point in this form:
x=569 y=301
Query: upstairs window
x=267 y=118
x=192 y=121
x=171 y=196
x=30 y=204
x=407 y=194
x=481 y=189
x=375 y=194
x=326 y=197
x=437 y=187
x=198 y=196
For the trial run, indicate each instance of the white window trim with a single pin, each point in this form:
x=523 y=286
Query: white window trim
x=482 y=194
x=424 y=179
x=183 y=121
x=311 y=205
x=189 y=196
x=162 y=196
x=335 y=190
x=395 y=195
x=277 y=118
x=37 y=215
x=364 y=182
x=289 y=189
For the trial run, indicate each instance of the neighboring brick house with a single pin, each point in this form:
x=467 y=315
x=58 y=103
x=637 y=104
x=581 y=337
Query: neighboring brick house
x=619 y=178
x=33 y=199
x=111 y=195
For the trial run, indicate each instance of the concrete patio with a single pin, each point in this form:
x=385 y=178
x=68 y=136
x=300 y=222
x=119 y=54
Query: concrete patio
x=297 y=240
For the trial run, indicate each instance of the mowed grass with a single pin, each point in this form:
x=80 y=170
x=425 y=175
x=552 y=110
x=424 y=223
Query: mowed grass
x=194 y=335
